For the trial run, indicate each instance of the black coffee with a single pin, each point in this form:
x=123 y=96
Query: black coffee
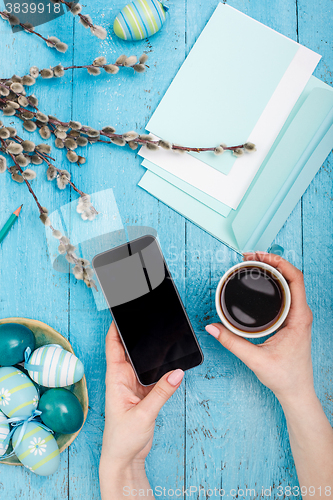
x=252 y=299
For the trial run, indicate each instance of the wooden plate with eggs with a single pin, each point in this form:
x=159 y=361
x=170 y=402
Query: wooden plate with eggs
x=44 y=335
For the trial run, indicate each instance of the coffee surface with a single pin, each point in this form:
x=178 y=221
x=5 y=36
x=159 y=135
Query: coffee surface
x=252 y=299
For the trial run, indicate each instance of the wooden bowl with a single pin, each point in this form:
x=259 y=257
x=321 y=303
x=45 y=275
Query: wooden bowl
x=44 y=335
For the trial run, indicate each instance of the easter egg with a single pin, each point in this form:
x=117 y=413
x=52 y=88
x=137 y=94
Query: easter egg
x=54 y=366
x=18 y=394
x=38 y=450
x=61 y=411
x=140 y=19
x=14 y=339
x=4 y=431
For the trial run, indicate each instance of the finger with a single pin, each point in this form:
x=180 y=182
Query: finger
x=242 y=348
x=114 y=348
x=293 y=275
x=161 y=392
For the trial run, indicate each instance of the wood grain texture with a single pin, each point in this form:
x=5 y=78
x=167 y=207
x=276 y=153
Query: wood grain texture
x=222 y=428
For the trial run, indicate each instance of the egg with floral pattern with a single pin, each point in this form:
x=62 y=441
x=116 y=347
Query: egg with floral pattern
x=18 y=394
x=4 y=431
x=38 y=451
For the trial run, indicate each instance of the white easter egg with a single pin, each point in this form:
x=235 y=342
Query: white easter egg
x=38 y=450
x=4 y=431
x=55 y=367
x=18 y=395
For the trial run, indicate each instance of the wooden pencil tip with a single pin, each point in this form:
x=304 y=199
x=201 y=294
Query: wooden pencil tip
x=18 y=210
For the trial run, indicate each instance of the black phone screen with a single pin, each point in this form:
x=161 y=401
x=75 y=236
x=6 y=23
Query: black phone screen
x=147 y=309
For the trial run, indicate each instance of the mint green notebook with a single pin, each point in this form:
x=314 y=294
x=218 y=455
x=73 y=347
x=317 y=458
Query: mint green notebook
x=298 y=152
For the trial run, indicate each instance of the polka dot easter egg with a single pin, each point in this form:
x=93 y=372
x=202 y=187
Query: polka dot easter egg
x=18 y=394
x=140 y=19
x=53 y=366
x=4 y=431
x=38 y=450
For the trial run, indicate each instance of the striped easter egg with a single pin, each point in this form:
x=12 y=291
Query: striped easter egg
x=38 y=451
x=53 y=366
x=18 y=395
x=4 y=431
x=139 y=19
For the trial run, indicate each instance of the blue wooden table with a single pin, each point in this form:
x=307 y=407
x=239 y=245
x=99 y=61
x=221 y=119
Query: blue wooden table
x=222 y=428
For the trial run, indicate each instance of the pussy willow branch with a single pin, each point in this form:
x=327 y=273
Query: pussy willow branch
x=45 y=157
x=26 y=28
x=175 y=147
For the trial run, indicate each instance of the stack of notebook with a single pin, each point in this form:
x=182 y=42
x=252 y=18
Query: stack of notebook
x=242 y=82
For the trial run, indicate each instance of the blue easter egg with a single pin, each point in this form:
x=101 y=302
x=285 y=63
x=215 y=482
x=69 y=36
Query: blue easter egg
x=14 y=339
x=55 y=367
x=38 y=450
x=4 y=431
x=140 y=19
x=18 y=395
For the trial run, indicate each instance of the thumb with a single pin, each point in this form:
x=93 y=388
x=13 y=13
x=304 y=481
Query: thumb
x=161 y=392
x=242 y=348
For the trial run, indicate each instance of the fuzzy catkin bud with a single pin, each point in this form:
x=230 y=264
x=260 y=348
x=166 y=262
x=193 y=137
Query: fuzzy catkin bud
x=92 y=70
x=45 y=220
x=218 y=150
x=28 y=80
x=41 y=117
x=133 y=145
x=33 y=99
x=46 y=73
x=130 y=61
x=13 y=104
x=44 y=148
x=108 y=130
x=72 y=156
x=29 y=126
x=121 y=59
x=45 y=132
x=238 y=152
x=29 y=174
x=75 y=8
x=12 y=131
x=34 y=72
x=8 y=111
x=22 y=161
x=250 y=147
x=17 y=178
x=75 y=125
x=78 y=272
x=36 y=160
x=99 y=61
x=61 y=47
x=51 y=41
x=17 y=87
x=51 y=173
x=28 y=146
x=56 y=234
x=165 y=144
x=130 y=136
x=59 y=144
x=82 y=141
x=23 y=101
x=4 y=133
x=143 y=58
x=3 y=164
x=146 y=137
x=70 y=143
x=99 y=32
x=14 y=148
x=61 y=248
x=112 y=69
x=58 y=70
x=119 y=141
x=139 y=68
x=151 y=146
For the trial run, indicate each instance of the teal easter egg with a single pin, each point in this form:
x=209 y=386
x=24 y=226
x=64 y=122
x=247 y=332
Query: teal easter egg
x=38 y=450
x=4 y=431
x=18 y=395
x=14 y=339
x=140 y=19
x=53 y=366
x=61 y=411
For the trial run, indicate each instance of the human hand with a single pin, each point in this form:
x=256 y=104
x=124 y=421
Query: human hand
x=283 y=362
x=130 y=408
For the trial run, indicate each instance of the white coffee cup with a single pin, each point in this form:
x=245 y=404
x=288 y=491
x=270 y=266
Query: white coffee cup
x=286 y=299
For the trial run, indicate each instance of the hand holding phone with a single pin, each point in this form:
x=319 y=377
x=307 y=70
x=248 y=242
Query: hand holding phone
x=130 y=413
x=147 y=310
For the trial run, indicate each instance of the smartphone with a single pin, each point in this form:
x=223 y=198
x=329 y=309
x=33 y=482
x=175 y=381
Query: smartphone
x=147 y=309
